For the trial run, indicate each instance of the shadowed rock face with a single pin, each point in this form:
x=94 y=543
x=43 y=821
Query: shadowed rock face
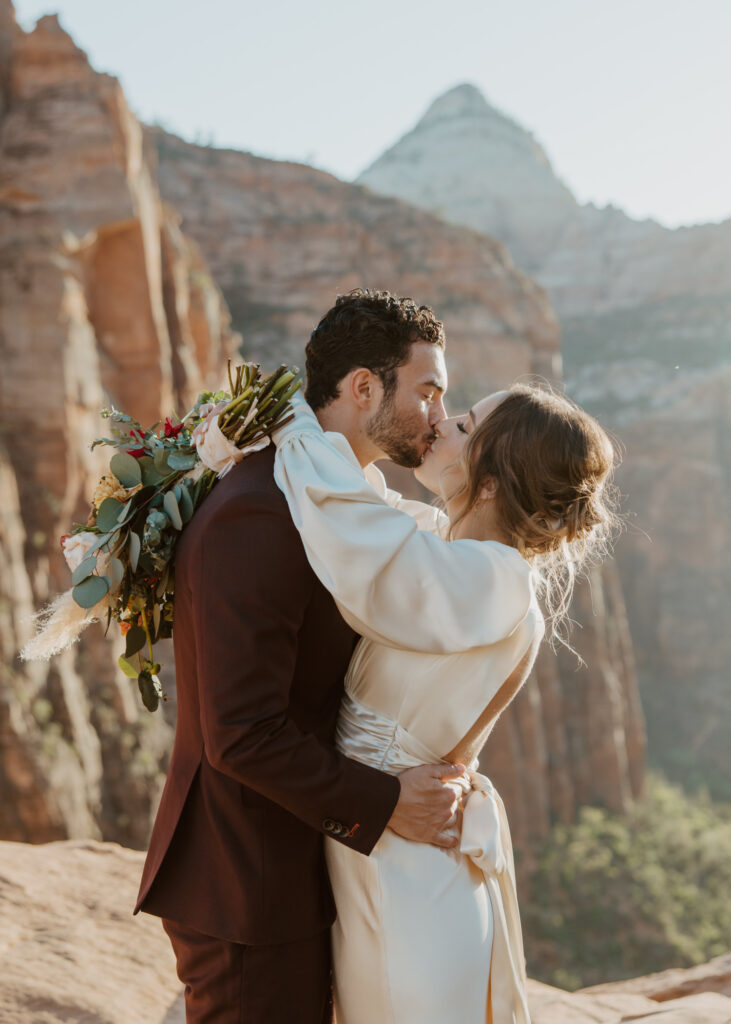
x=283 y=240
x=102 y=300
x=575 y=734
x=646 y=324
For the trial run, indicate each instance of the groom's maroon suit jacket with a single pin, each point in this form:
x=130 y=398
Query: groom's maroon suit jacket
x=254 y=780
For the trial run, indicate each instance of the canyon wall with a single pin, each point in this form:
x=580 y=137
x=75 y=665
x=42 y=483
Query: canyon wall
x=110 y=241
x=282 y=240
x=102 y=301
x=645 y=316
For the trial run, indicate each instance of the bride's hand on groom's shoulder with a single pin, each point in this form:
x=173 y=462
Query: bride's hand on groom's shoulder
x=428 y=807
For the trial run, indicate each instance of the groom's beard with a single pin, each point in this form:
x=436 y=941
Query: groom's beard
x=399 y=435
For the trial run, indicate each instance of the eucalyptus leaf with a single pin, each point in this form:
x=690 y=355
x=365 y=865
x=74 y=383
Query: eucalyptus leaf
x=103 y=539
x=150 y=690
x=129 y=670
x=126 y=512
x=150 y=473
x=142 y=495
x=160 y=459
x=83 y=569
x=162 y=585
x=186 y=505
x=156 y=615
x=134 y=641
x=107 y=517
x=111 y=541
x=179 y=460
x=90 y=591
x=171 y=507
x=126 y=468
x=135 y=546
x=115 y=572
x=146 y=564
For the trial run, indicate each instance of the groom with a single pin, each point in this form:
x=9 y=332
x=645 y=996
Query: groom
x=235 y=867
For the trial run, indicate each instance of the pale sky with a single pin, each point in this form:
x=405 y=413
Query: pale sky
x=630 y=98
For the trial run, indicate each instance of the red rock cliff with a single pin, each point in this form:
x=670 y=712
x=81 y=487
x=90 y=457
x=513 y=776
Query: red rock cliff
x=102 y=300
x=283 y=240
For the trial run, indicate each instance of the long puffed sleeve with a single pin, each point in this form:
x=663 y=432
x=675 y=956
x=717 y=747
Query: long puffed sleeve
x=394 y=583
x=426 y=517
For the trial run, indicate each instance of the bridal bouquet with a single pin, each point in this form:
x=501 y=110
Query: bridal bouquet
x=122 y=559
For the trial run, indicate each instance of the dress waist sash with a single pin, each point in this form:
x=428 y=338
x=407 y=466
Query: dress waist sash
x=366 y=735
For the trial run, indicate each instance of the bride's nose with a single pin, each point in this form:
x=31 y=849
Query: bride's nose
x=441 y=426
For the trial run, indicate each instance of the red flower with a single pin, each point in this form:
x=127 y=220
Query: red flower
x=138 y=453
x=171 y=429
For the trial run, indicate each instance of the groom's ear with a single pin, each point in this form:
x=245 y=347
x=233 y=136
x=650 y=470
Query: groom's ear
x=363 y=388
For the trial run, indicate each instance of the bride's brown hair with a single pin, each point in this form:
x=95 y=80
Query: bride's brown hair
x=553 y=463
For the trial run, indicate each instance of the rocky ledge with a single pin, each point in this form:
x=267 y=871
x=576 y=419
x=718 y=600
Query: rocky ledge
x=72 y=951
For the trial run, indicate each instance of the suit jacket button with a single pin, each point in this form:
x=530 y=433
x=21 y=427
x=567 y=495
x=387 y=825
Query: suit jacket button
x=329 y=825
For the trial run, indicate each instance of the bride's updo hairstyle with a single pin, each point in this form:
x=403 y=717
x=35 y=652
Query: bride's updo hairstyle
x=553 y=464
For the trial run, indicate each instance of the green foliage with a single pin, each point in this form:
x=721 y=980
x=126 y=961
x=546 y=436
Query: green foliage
x=616 y=897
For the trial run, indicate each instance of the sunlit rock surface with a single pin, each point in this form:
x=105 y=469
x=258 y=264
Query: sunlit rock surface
x=72 y=951
x=102 y=301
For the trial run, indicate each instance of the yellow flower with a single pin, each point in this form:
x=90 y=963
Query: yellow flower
x=110 y=487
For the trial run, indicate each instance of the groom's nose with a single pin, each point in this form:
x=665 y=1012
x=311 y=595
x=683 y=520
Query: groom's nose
x=437 y=412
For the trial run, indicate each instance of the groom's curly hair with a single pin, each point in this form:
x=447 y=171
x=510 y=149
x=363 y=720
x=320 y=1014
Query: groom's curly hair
x=372 y=329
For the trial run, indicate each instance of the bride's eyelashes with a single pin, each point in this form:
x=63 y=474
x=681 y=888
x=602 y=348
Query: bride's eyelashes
x=461 y=426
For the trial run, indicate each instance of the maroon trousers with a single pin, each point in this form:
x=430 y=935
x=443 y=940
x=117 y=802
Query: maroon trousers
x=229 y=983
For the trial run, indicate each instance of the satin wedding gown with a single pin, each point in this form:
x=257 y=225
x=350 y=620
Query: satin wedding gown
x=423 y=935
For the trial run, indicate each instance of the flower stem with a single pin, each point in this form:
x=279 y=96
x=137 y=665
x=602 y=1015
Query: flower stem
x=146 y=628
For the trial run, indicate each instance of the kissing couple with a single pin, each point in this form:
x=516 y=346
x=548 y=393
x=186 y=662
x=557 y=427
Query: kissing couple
x=342 y=655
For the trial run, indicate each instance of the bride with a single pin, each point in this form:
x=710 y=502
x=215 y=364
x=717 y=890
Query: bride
x=426 y=935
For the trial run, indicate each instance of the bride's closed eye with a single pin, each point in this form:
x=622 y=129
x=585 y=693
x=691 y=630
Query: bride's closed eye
x=461 y=426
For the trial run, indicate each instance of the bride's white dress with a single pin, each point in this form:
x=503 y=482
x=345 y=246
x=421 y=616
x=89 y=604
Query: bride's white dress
x=423 y=935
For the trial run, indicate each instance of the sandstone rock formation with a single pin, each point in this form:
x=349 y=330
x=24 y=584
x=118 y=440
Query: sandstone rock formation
x=72 y=951
x=71 y=948
x=575 y=734
x=676 y=983
x=105 y=297
x=282 y=240
x=646 y=322
x=484 y=171
x=102 y=300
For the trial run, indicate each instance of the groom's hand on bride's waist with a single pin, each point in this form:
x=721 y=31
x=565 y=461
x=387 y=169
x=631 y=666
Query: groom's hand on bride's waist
x=428 y=807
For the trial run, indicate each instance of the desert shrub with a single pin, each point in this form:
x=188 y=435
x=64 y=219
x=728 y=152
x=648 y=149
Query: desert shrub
x=614 y=897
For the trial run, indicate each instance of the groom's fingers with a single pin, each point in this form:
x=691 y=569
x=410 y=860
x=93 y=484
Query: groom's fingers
x=448 y=838
x=447 y=771
x=430 y=796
